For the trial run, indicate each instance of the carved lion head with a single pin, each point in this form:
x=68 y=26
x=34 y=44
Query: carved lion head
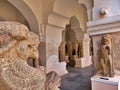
x=14 y=34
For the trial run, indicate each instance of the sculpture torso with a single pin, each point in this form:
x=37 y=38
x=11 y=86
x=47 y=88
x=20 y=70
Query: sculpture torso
x=105 y=56
x=104 y=52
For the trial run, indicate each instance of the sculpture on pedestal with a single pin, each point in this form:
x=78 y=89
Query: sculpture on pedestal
x=70 y=39
x=62 y=52
x=76 y=44
x=105 y=55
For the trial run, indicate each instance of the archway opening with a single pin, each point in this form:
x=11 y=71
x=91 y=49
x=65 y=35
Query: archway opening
x=11 y=13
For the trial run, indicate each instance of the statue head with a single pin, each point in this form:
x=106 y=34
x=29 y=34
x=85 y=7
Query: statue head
x=13 y=34
x=106 y=39
x=28 y=48
x=17 y=44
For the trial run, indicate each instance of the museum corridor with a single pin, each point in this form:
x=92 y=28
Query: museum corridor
x=77 y=79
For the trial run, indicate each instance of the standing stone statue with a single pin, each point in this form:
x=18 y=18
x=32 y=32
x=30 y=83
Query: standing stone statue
x=105 y=56
x=69 y=49
x=69 y=38
x=75 y=48
x=61 y=51
x=80 y=51
x=70 y=34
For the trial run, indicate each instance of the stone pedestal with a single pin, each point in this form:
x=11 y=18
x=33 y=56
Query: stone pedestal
x=83 y=62
x=101 y=84
x=86 y=59
x=78 y=63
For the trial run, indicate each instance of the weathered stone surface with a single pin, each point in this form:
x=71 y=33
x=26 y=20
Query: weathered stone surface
x=53 y=81
x=61 y=50
x=105 y=55
x=76 y=46
x=96 y=46
x=17 y=44
x=116 y=50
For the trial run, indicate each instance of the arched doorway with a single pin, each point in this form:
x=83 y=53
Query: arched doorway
x=19 y=11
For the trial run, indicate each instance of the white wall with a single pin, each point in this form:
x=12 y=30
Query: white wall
x=53 y=39
x=113 y=7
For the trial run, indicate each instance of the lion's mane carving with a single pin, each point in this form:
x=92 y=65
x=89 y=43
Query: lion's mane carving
x=17 y=44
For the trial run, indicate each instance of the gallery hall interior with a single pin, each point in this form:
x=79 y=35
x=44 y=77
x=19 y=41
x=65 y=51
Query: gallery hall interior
x=59 y=44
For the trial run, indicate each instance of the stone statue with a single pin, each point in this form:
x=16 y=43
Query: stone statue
x=105 y=55
x=69 y=38
x=69 y=49
x=74 y=48
x=79 y=51
x=53 y=81
x=70 y=34
x=61 y=50
x=17 y=44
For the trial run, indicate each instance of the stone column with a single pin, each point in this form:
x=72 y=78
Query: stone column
x=86 y=59
x=86 y=47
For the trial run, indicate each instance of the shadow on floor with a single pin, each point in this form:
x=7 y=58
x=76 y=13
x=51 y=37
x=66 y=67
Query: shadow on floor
x=77 y=78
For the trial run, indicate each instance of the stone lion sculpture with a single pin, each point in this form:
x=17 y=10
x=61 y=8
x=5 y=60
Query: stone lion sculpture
x=53 y=81
x=17 y=44
x=105 y=56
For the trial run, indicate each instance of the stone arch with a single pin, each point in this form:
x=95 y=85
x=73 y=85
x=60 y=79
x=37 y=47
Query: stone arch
x=11 y=13
x=83 y=5
x=27 y=13
x=69 y=8
x=74 y=22
x=75 y=25
x=89 y=5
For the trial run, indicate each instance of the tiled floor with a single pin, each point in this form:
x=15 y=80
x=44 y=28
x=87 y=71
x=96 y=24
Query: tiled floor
x=77 y=79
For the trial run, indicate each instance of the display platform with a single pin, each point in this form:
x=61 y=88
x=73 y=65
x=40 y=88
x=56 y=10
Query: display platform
x=105 y=83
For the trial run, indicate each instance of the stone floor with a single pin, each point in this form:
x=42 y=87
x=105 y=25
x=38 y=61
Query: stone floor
x=77 y=79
